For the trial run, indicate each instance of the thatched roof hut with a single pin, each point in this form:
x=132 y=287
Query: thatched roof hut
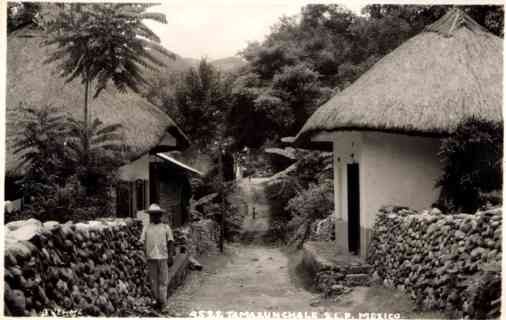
x=427 y=86
x=31 y=82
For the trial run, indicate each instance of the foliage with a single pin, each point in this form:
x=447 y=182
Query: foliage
x=20 y=14
x=315 y=202
x=301 y=197
x=305 y=60
x=200 y=103
x=313 y=167
x=40 y=143
x=103 y=42
x=472 y=158
x=95 y=152
x=69 y=172
x=279 y=192
x=485 y=292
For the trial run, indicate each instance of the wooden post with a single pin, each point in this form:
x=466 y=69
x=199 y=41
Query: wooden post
x=222 y=231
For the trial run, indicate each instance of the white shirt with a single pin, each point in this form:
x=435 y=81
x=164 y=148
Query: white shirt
x=156 y=237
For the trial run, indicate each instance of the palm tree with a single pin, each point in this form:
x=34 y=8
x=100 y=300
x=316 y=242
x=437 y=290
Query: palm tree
x=40 y=144
x=102 y=43
x=95 y=150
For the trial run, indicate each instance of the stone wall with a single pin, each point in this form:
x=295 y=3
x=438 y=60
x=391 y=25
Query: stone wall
x=445 y=262
x=333 y=274
x=95 y=268
x=199 y=237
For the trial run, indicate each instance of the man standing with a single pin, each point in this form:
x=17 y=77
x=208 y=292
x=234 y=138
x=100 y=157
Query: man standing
x=159 y=249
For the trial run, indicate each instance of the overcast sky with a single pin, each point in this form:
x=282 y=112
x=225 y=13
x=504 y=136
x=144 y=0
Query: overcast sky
x=197 y=30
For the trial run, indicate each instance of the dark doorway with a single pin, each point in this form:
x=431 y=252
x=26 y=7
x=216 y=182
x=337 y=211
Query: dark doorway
x=123 y=199
x=353 y=208
x=154 y=183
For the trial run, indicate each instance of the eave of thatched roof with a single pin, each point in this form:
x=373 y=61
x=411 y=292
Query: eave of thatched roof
x=172 y=160
x=427 y=86
x=33 y=83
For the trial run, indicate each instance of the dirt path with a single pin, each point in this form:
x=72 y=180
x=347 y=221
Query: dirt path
x=256 y=278
x=256 y=224
x=253 y=278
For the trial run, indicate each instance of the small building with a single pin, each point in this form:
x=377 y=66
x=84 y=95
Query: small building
x=385 y=129
x=158 y=177
x=149 y=132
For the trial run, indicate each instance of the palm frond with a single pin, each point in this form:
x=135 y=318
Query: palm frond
x=144 y=31
x=151 y=58
x=158 y=17
x=156 y=47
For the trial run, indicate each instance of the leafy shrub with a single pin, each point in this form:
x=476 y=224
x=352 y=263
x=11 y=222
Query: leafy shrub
x=316 y=202
x=313 y=167
x=301 y=196
x=70 y=167
x=485 y=293
x=472 y=158
x=279 y=192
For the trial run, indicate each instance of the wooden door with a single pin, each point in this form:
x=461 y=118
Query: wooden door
x=123 y=199
x=353 y=208
x=154 y=183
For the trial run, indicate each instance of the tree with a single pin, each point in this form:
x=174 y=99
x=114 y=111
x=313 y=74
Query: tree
x=306 y=59
x=104 y=42
x=40 y=144
x=95 y=152
x=472 y=158
x=68 y=173
x=201 y=101
x=299 y=87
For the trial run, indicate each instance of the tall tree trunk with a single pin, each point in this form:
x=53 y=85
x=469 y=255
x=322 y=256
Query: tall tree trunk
x=86 y=137
x=86 y=87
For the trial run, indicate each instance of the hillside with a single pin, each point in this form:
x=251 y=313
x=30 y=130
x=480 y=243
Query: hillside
x=229 y=64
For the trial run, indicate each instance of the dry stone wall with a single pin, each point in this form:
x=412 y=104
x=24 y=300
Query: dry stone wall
x=95 y=268
x=199 y=237
x=446 y=262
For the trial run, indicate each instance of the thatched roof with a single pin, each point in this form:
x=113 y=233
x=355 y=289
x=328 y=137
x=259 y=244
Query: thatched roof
x=427 y=86
x=31 y=82
x=179 y=164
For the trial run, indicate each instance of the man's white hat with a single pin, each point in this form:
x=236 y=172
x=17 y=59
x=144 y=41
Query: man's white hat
x=154 y=208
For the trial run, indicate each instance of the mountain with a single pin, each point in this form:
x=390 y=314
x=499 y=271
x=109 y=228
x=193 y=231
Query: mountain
x=192 y=62
x=229 y=64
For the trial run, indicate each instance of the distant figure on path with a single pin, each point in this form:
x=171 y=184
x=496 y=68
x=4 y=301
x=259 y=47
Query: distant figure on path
x=159 y=250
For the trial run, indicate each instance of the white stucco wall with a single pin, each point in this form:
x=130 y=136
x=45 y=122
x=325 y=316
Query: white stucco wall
x=397 y=170
x=394 y=169
x=347 y=147
x=138 y=169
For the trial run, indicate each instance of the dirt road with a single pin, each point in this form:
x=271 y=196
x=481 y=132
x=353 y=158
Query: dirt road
x=257 y=278
x=256 y=224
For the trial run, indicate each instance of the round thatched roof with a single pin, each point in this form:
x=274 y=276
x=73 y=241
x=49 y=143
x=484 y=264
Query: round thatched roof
x=427 y=86
x=31 y=82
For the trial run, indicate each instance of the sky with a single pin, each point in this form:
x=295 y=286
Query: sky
x=219 y=30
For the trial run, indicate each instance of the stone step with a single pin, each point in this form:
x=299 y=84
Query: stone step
x=357 y=279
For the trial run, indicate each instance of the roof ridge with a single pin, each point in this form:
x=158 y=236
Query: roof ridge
x=453 y=20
